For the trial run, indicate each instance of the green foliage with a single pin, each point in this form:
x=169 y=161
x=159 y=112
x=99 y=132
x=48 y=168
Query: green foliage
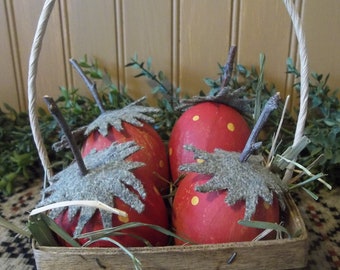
x=16 y=163
x=323 y=121
x=261 y=91
x=167 y=96
x=111 y=96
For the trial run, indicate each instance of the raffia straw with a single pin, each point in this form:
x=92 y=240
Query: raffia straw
x=300 y=125
x=32 y=73
x=88 y=203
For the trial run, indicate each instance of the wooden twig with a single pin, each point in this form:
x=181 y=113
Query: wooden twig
x=54 y=110
x=272 y=149
x=91 y=85
x=228 y=67
x=251 y=145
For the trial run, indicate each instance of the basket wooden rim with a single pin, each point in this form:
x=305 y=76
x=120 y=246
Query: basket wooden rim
x=163 y=249
x=265 y=254
x=292 y=210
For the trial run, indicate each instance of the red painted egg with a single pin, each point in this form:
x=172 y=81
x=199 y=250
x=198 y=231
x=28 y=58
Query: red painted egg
x=153 y=152
x=205 y=218
x=206 y=126
x=155 y=213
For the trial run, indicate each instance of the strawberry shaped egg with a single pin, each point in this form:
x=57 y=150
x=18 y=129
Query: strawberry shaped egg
x=207 y=125
x=110 y=180
x=205 y=218
x=130 y=124
x=108 y=177
x=210 y=122
x=223 y=187
x=154 y=213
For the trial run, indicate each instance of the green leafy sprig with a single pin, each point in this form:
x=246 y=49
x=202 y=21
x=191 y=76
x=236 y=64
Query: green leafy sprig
x=167 y=96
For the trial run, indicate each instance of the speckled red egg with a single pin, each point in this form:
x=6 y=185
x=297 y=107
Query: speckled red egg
x=206 y=126
x=153 y=151
x=205 y=218
x=155 y=213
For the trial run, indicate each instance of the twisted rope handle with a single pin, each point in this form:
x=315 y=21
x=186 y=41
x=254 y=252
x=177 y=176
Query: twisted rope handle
x=304 y=91
x=33 y=66
x=303 y=70
x=31 y=84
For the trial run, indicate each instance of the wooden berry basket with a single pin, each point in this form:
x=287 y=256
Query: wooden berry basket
x=268 y=254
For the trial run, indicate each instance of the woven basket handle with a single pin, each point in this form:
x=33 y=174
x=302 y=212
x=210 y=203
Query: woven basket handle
x=303 y=69
x=31 y=84
x=33 y=67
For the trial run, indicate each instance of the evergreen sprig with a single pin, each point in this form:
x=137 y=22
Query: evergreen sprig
x=167 y=96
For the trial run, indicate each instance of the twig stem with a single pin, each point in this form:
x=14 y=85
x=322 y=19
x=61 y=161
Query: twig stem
x=259 y=88
x=91 y=85
x=54 y=110
x=273 y=148
x=251 y=145
x=228 y=67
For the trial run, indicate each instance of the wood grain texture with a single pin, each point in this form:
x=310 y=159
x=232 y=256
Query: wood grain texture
x=10 y=84
x=51 y=71
x=186 y=40
x=204 y=41
x=270 y=254
x=92 y=31
x=265 y=28
x=147 y=32
x=321 y=25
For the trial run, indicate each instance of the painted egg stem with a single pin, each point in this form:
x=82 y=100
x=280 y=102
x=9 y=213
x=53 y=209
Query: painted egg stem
x=91 y=85
x=251 y=144
x=54 y=110
x=225 y=94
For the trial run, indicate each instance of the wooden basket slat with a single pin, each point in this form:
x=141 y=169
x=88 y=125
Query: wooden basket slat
x=269 y=254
